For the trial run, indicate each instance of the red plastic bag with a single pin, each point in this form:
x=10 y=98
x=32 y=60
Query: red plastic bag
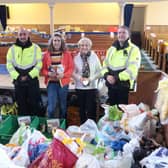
x=56 y=156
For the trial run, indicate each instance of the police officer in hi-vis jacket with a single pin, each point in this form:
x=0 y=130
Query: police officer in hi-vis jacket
x=121 y=65
x=24 y=64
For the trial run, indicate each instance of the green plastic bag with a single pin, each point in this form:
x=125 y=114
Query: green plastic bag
x=7 y=128
x=114 y=113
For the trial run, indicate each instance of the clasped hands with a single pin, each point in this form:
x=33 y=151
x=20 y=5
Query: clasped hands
x=84 y=79
x=23 y=78
x=111 y=79
x=55 y=75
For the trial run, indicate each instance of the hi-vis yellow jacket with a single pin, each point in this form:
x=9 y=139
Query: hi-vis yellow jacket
x=126 y=60
x=27 y=58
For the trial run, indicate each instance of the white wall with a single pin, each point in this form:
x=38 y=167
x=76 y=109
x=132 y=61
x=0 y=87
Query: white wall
x=157 y=13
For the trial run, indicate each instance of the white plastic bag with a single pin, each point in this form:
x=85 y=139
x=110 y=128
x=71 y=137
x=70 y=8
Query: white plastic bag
x=138 y=122
x=131 y=110
x=87 y=160
x=120 y=161
x=105 y=118
x=89 y=127
x=102 y=90
x=20 y=135
x=22 y=158
x=5 y=162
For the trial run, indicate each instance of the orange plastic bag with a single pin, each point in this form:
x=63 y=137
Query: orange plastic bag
x=56 y=156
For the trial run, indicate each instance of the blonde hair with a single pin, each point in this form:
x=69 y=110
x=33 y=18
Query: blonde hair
x=85 y=39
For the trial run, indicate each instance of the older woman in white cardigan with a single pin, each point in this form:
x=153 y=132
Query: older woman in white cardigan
x=86 y=71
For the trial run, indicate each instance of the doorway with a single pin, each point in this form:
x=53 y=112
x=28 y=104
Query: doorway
x=137 y=25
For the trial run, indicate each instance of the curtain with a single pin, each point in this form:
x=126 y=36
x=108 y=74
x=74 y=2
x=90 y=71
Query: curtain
x=127 y=14
x=3 y=16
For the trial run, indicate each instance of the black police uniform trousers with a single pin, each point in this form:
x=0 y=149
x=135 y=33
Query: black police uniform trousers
x=87 y=104
x=28 y=98
x=118 y=95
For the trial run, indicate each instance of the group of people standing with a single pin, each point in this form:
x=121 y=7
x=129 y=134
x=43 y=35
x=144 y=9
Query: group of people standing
x=25 y=63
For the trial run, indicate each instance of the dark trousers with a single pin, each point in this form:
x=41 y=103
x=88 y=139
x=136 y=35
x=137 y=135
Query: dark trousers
x=28 y=97
x=87 y=104
x=118 y=95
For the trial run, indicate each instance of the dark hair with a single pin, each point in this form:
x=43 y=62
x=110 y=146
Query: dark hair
x=126 y=28
x=51 y=47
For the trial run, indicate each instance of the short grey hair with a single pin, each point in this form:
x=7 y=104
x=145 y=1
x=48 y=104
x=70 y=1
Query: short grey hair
x=89 y=41
x=126 y=28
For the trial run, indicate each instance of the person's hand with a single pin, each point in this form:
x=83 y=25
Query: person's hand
x=81 y=79
x=60 y=75
x=24 y=78
x=85 y=81
x=52 y=74
x=111 y=79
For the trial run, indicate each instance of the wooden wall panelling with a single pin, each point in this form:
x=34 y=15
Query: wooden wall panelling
x=158 y=28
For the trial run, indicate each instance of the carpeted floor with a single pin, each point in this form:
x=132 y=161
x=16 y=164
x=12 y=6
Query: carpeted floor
x=146 y=63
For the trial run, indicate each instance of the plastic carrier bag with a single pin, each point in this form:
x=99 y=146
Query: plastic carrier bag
x=7 y=109
x=24 y=155
x=5 y=162
x=7 y=128
x=102 y=89
x=57 y=155
x=87 y=160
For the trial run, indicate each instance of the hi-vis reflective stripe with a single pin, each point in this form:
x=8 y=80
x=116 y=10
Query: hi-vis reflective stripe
x=130 y=74
x=21 y=66
x=109 y=53
x=134 y=63
x=118 y=67
x=129 y=55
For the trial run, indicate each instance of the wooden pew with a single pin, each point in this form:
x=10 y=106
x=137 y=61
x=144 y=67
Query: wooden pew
x=3 y=52
x=165 y=58
x=154 y=40
x=161 y=54
x=147 y=82
x=146 y=39
x=160 y=49
x=100 y=41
